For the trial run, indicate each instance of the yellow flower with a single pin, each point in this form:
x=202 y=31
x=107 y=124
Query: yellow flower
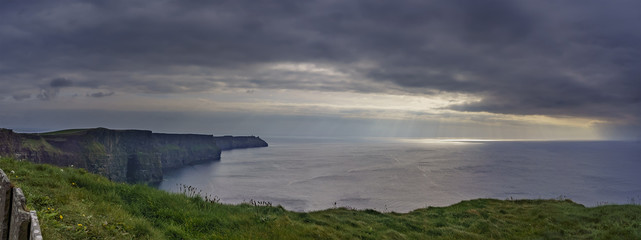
x=60 y=217
x=79 y=225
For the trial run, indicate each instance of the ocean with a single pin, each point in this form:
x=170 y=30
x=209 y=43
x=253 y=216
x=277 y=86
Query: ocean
x=400 y=175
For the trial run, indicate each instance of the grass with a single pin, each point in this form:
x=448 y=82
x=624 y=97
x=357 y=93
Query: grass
x=65 y=132
x=74 y=204
x=38 y=144
x=95 y=147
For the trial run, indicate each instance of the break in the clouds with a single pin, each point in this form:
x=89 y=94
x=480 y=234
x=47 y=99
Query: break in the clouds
x=553 y=58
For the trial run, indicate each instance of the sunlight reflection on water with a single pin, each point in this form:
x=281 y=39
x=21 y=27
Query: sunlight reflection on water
x=401 y=175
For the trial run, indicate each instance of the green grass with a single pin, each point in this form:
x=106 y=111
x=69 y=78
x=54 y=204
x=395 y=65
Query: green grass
x=95 y=147
x=66 y=132
x=92 y=207
x=38 y=144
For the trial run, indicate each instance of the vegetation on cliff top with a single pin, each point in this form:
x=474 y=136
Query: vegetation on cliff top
x=121 y=155
x=66 y=132
x=74 y=204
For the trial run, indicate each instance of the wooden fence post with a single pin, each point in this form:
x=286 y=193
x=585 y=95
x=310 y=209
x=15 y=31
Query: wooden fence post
x=20 y=219
x=35 y=233
x=16 y=222
x=5 y=205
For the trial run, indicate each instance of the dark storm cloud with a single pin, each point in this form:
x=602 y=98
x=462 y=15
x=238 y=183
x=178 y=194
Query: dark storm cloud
x=60 y=82
x=51 y=90
x=556 y=58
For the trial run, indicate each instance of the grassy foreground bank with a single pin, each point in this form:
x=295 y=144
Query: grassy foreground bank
x=74 y=204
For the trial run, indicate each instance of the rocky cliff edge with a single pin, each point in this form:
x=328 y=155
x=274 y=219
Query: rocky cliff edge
x=121 y=155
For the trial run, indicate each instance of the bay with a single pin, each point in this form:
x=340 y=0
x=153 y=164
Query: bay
x=389 y=174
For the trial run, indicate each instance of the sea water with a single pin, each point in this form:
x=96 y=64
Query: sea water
x=306 y=174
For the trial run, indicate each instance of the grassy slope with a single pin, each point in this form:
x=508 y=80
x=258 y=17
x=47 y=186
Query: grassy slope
x=74 y=204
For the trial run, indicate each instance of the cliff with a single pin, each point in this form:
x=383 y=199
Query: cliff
x=120 y=155
x=230 y=142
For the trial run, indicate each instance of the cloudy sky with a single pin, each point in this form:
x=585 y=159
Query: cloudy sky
x=540 y=69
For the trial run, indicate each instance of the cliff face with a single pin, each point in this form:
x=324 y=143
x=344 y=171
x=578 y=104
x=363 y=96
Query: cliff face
x=175 y=150
x=230 y=142
x=120 y=155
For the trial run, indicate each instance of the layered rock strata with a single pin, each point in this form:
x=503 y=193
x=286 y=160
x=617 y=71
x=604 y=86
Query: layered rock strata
x=120 y=155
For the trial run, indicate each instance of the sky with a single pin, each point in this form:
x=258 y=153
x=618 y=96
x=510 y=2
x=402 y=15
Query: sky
x=494 y=69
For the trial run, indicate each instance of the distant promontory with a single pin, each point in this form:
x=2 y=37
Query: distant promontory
x=120 y=155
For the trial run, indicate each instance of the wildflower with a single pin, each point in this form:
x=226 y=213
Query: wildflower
x=73 y=184
x=79 y=225
x=60 y=217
